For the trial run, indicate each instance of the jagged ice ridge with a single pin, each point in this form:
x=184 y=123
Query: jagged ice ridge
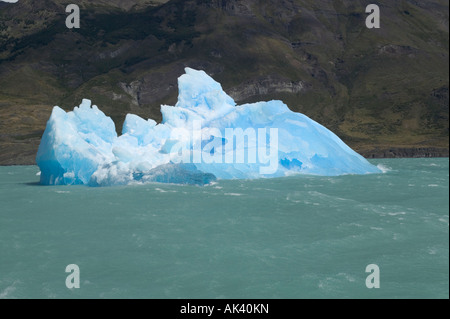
x=204 y=137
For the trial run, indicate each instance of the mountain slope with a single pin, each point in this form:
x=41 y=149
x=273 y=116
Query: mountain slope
x=384 y=91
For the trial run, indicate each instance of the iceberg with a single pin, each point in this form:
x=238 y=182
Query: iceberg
x=204 y=137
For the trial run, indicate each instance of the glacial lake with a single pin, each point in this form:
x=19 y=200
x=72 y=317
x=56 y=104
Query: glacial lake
x=294 y=237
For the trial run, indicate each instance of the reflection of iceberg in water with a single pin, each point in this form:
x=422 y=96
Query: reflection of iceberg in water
x=204 y=137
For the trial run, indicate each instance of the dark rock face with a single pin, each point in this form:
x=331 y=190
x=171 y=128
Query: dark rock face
x=412 y=152
x=441 y=96
x=234 y=7
x=265 y=86
x=374 y=88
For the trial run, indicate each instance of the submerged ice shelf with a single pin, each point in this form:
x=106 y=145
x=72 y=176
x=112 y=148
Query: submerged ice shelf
x=203 y=137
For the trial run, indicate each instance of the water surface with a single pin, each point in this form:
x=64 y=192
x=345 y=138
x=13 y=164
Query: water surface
x=295 y=237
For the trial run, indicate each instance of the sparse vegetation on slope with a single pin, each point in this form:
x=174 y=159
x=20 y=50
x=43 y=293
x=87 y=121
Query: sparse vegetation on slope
x=384 y=91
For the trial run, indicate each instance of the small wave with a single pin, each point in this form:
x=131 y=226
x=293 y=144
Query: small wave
x=165 y=191
x=444 y=220
x=384 y=169
x=397 y=214
x=62 y=192
x=347 y=277
x=293 y=200
x=233 y=194
x=7 y=292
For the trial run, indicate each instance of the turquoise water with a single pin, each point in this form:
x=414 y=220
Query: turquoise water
x=296 y=237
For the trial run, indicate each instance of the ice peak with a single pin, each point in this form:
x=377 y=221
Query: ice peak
x=204 y=128
x=200 y=98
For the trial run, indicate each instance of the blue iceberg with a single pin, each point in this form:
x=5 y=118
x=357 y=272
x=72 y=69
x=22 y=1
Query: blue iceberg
x=204 y=137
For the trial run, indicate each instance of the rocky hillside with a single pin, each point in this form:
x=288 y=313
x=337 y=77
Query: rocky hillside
x=384 y=91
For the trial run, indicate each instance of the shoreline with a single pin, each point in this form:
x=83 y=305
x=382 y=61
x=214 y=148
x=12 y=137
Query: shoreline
x=404 y=152
x=374 y=153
